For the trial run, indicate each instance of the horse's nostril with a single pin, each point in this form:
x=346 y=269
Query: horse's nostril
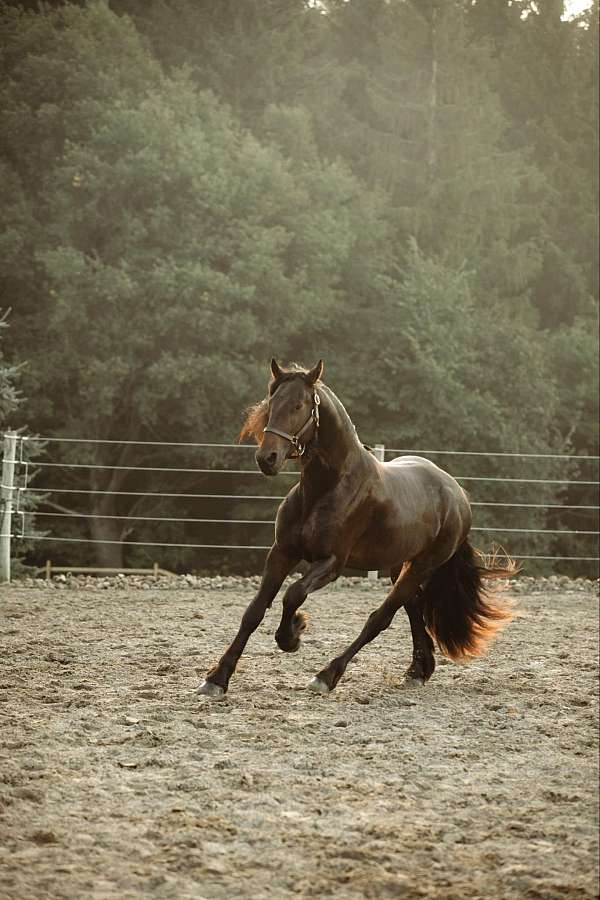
x=267 y=462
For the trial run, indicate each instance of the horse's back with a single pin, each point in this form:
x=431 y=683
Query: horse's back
x=412 y=507
x=423 y=471
x=423 y=487
x=413 y=461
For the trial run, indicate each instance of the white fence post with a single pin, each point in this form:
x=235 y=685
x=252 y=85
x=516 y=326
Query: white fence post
x=373 y=574
x=6 y=495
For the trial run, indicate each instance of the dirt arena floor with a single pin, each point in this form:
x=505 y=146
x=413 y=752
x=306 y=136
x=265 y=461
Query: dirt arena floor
x=118 y=781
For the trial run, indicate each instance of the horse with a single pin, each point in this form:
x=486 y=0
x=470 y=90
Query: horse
x=348 y=509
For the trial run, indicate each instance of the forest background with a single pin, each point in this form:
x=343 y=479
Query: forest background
x=406 y=188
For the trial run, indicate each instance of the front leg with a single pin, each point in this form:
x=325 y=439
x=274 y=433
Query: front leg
x=277 y=568
x=293 y=623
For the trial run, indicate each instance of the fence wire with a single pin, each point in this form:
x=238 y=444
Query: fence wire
x=256 y=472
x=63 y=440
x=43 y=493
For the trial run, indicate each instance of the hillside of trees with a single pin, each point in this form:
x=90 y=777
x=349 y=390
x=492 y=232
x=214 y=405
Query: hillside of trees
x=405 y=188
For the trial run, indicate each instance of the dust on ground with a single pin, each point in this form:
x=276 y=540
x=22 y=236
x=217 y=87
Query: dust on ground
x=117 y=780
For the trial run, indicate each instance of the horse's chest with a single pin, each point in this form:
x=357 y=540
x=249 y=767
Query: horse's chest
x=326 y=528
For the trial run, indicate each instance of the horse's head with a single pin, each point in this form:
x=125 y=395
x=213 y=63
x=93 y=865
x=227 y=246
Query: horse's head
x=287 y=419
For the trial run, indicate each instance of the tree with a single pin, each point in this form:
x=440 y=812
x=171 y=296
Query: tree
x=459 y=373
x=434 y=370
x=362 y=181
x=250 y=55
x=9 y=394
x=546 y=74
x=10 y=400
x=175 y=249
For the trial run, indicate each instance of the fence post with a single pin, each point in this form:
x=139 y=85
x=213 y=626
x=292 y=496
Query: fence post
x=6 y=495
x=379 y=451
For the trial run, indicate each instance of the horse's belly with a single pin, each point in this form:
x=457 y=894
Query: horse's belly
x=382 y=549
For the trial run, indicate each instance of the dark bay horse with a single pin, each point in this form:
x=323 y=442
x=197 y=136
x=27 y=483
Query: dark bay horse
x=350 y=510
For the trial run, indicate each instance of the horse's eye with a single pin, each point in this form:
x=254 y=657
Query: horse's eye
x=298 y=406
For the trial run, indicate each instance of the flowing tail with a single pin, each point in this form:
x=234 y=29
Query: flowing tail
x=460 y=613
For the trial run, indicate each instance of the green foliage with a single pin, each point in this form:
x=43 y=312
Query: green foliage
x=552 y=100
x=419 y=120
x=174 y=227
x=573 y=354
x=250 y=54
x=9 y=394
x=10 y=402
x=473 y=370
x=166 y=222
x=408 y=189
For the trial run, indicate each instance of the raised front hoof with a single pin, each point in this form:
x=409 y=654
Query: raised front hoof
x=214 y=691
x=287 y=643
x=291 y=647
x=290 y=642
x=318 y=686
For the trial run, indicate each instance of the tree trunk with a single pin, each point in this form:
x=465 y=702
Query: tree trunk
x=108 y=555
x=432 y=117
x=110 y=531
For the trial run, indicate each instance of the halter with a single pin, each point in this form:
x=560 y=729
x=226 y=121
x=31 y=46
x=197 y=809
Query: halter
x=294 y=439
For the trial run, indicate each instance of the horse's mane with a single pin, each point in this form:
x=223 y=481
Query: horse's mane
x=257 y=415
x=255 y=422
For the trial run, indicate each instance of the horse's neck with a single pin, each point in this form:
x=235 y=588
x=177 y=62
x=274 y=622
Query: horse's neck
x=337 y=441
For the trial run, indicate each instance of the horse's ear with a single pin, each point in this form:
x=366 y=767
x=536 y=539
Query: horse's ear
x=315 y=373
x=275 y=370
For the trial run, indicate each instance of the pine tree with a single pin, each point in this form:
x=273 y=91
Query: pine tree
x=421 y=121
x=9 y=393
x=547 y=77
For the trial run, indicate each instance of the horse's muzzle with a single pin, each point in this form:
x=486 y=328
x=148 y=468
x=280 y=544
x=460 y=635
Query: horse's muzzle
x=268 y=464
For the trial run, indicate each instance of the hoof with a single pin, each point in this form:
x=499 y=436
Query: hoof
x=318 y=686
x=214 y=691
x=292 y=648
x=411 y=684
x=287 y=646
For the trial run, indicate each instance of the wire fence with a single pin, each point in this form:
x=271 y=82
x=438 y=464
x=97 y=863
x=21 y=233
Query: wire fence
x=564 y=488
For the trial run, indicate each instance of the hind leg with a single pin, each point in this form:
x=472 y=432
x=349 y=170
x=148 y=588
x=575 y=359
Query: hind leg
x=422 y=666
x=403 y=591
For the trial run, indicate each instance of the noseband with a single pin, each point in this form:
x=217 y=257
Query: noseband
x=294 y=439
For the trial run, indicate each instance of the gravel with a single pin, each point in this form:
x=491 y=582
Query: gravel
x=118 y=781
x=68 y=581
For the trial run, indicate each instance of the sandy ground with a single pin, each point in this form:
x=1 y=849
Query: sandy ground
x=117 y=780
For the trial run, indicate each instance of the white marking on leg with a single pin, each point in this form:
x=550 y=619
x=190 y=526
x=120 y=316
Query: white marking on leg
x=318 y=686
x=410 y=683
x=214 y=691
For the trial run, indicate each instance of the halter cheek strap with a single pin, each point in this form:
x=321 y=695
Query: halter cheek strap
x=294 y=439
